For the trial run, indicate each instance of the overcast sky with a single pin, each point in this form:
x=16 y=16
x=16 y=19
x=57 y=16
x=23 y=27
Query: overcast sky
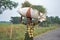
x=52 y=6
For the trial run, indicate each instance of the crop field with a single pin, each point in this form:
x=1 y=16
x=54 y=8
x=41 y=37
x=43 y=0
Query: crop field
x=17 y=31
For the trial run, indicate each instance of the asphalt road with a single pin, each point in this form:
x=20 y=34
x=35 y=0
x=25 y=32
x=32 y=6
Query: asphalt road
x=51 y=35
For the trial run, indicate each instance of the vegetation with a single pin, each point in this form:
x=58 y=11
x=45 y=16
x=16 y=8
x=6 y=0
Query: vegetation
x=19 y=31
x=15 y=20
x=5 y=22
x=40 y=8
x=26 y=4
x=6 y=4
x=50 y=20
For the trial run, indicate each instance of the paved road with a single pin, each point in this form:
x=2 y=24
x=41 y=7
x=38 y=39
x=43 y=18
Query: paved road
x=51 y=35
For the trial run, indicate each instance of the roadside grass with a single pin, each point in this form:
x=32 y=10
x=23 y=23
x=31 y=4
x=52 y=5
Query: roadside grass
x=18 y=31
x=40 y=30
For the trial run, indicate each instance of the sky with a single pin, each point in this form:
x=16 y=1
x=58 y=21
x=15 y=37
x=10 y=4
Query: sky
x=52 y=7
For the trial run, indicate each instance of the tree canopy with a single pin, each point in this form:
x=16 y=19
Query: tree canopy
x=7 y=4
x=26 y=4
x=40 y=8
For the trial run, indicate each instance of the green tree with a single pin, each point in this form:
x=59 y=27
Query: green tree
x=45 y=23
x=15 y=20
x=57 y=20
x=7 y=4
x=51 y=19
x=40 y=8
x=26 y=4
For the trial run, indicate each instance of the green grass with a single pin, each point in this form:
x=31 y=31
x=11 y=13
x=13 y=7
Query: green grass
x=19 y=31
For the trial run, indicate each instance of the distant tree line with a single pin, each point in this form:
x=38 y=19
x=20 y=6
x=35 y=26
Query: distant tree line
x=5 y=22
x=15 y=20
x=49 y=21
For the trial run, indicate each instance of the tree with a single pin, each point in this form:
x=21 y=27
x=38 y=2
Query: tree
x=26 y=4
x=40 y=8
x=57 y=20
x=15 y=20
x=45 y=23
x=6 y=4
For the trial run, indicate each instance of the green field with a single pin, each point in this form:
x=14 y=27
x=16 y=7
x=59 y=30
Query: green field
x=18 y=31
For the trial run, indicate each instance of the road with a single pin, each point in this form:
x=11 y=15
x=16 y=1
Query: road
x=51 y=35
